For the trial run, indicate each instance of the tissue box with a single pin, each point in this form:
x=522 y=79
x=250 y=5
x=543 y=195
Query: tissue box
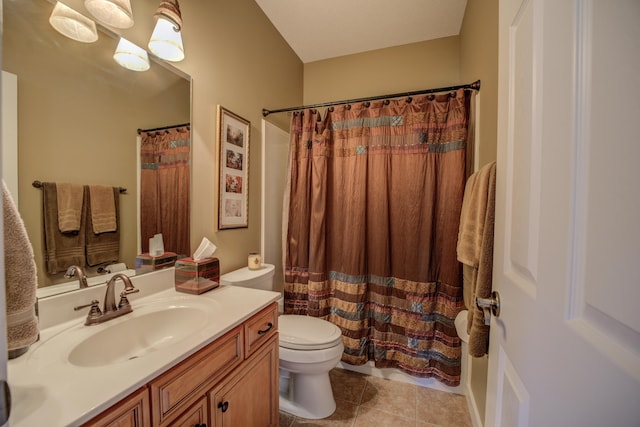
x=146 y=263
x=196 y=277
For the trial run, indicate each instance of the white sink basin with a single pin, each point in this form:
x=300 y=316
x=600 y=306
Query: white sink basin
x=137 y=336
x=153 y=327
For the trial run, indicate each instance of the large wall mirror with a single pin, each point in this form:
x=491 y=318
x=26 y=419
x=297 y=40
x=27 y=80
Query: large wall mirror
x=78 y=115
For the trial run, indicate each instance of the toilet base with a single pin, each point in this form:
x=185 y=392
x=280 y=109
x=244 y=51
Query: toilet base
x=308 y=396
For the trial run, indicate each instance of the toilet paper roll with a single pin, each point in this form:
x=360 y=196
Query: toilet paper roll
x=461 y=325
x=114 y=268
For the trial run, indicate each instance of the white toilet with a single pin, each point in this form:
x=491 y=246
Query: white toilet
x=309 y=349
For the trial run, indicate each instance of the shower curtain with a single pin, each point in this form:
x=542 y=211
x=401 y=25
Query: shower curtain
x=374 y=198
x=165 y=188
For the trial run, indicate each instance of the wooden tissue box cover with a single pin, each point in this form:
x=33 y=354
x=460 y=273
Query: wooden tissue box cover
x=196 y=277
x=146 y=263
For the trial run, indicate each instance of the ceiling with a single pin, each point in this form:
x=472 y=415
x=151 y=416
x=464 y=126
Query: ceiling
x=322 y=29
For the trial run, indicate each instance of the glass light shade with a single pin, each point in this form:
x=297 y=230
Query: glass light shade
x=131 y=56
x=114 y=13
x=166 y=42
x=72 y=24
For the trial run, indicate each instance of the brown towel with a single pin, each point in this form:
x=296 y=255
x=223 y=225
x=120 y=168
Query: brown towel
x=102 y=208
x=475 y=251
x=105 y=246
x=69 y=206
x=20 y=278
x=60 y=249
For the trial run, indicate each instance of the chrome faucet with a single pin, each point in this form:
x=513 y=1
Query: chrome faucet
x=74 y=270
x=109 y=309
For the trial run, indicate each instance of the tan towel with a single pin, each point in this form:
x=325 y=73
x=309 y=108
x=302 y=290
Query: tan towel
x=472 y=216
x=102 y=208
x=69 y=206
x=475 y=251
x=103 y=247
x=20 y=278
x=60 y=249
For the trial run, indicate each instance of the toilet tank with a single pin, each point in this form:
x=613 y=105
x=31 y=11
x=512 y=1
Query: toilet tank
x=261 y=278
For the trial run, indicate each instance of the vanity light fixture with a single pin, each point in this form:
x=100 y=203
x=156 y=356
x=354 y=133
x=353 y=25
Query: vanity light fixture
x=73 y=24
x=114 y=13
x=166 y=39
x=131 y=56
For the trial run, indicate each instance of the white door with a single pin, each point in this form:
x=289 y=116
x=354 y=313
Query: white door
x=565 y=350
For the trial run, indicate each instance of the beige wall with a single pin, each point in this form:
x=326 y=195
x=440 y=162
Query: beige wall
x=479 y=60
x=416 y=66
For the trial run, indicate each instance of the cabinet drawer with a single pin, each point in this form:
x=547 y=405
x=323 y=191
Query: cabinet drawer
x=132 y=411
x=260 y=328
x=184 y=384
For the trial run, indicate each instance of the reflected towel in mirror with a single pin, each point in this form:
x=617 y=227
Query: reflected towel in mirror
x=60 y=249
x=103 y=247
x=103 y=208
x=70 y=198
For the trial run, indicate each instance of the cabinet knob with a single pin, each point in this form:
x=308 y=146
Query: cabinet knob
x=224 y=406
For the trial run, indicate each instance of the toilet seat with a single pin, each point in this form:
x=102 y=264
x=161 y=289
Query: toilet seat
x=299 y=332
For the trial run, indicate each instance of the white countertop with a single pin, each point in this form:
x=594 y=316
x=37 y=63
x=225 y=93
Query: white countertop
x=47 y=390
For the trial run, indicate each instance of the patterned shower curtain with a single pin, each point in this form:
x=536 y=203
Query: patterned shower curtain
x=375 y=195
x=165 y=188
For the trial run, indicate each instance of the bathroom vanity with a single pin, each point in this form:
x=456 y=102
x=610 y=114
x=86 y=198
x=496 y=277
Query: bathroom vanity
x=215 y=363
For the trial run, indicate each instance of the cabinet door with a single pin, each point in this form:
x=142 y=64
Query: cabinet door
x=133 y=411
x=250 y=396
x=195 y=416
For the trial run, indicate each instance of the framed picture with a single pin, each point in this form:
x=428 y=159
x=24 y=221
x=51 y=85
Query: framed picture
x=233 y=177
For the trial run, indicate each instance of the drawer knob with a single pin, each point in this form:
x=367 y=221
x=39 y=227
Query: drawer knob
x=224 y=406
x=264 y=331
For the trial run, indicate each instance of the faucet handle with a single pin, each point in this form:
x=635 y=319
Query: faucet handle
x=94 y=312
x=124 y=301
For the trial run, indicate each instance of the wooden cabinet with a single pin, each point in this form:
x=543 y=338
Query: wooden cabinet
x=250 y=396
x=231 y=382
x=133 y=411
x=178 y=388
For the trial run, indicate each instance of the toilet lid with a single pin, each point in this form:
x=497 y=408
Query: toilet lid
x=299 y=332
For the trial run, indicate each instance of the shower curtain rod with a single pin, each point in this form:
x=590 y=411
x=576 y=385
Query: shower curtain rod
x=472 y=86
x=163 y=128
x=38 y=184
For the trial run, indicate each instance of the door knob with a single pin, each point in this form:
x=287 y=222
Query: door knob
x=489 y=306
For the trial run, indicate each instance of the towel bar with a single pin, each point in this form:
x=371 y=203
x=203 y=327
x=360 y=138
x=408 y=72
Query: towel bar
x=38 y=184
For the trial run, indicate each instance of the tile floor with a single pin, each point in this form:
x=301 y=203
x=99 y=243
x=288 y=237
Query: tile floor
x=366 y=401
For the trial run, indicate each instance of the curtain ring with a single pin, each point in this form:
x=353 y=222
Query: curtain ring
x=348 y=107
x=330 y=109
x=367 y=104
x=409 y=99
x=386 y=102
x=452 y=94
x=431 y=97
